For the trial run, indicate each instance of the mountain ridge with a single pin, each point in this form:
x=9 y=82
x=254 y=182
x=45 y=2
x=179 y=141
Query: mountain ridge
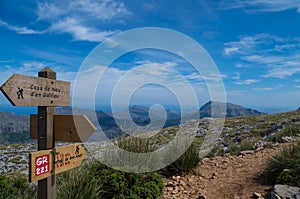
x=15 y=128
x=216 y=109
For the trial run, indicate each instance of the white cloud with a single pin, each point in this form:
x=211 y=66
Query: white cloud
x=231 y=50
x=7 y=61
x=46 y=10
x=84 y=9
x=32 y=68
x=297 y=86
x=146 y=75
x=237 y=76
x=264 y=89
x=246 y=82
x=262 y=5
x=27 y=68
x=272 y=56
x=194 y=76
x=282 y=72
x=20 y=30
x=82 y=19
x=249 y=43
x=239 y=81
x=283 y=47
x=263 y=59
x=80 y=32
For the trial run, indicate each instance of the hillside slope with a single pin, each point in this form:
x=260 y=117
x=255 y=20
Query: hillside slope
x=13 y=128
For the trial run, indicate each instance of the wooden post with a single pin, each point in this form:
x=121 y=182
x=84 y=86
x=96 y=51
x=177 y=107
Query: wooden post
x=47 y=186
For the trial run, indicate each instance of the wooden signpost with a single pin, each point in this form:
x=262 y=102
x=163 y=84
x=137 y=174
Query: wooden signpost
x=46 y=92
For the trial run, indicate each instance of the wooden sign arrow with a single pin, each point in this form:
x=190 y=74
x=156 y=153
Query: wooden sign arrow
x=22 y=90
x=45 y=163
x=69 y=128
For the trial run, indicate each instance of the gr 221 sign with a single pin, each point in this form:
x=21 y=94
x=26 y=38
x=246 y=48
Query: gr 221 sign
x=45 y=163
x=42 y=165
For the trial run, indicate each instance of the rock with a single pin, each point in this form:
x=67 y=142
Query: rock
x=275 y=196
x=169 y=189
x=288 y=139
x=285 y=191
x=183 y=184
x=169 y=184
x=246 y=152
x=260 y=145
x=175 y=190
x=257 y=196
x=204 y=160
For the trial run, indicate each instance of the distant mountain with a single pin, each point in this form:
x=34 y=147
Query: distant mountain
x=14 y=128
x=107 y=123
x=140 y=115
x=232 y=110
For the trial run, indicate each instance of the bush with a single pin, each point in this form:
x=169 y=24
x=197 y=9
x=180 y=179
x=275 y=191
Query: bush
x=244 y=145
x=216 y=151
x=184 y=164
x=289 y=178
x=293 y=130
x=119 y=184
x=92 y=180
x=79 y=183
x=96 y=180
x=234 y=149
x=15 y=186
x=136 y=145
x=284 y=168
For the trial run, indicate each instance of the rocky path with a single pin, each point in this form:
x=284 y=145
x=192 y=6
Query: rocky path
x=232 y=177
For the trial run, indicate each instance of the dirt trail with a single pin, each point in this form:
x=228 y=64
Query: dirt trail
x=234 y=177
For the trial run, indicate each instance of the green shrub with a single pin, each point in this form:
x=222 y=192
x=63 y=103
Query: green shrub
x=216 y=151
x=136 y=145
x=15 y=186
x=293 y=130
x=234 y=149
x=119 y=184
x=244 y=145
x=247 y=143
x=288 y=178
x=284 y=168
x=147 y=186
x=79 y=183
x=184 y=164
x=96 y=180
x=92 y=180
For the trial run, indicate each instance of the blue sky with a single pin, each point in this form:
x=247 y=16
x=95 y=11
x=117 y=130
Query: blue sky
x=254 y=43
